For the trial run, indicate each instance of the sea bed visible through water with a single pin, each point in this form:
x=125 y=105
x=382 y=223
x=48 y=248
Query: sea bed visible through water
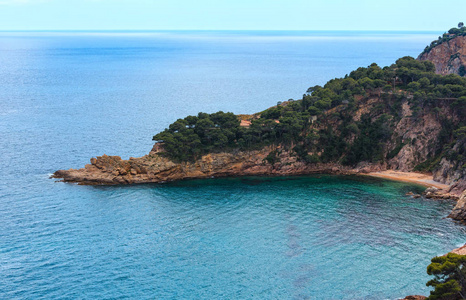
x=68 y=96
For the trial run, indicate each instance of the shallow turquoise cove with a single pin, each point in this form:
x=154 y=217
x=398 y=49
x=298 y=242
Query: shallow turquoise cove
x=323 y=237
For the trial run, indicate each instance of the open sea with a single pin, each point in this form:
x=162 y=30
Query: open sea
x=68 y=96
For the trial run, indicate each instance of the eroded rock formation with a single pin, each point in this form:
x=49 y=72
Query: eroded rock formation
x=153 y=168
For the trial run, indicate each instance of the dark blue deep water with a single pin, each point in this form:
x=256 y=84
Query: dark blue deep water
x=68 y=96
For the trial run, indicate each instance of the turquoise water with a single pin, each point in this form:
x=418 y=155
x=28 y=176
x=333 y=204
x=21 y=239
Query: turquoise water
x=65 y=97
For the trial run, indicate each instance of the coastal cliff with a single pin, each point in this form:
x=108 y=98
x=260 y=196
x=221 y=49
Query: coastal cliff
x=417 y=137
x=448 y=54
x=449 y=57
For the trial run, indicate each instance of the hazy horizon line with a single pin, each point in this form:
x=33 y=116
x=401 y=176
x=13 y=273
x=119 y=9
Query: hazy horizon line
x=158 y=30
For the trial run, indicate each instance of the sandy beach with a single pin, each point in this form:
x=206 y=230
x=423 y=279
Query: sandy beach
x=423 y=179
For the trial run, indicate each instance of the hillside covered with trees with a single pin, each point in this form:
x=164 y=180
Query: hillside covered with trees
x=322 y=127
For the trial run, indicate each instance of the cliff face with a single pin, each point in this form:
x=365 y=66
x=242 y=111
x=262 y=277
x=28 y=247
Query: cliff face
x=448 y=57
x=417 y=135
x=452 y=171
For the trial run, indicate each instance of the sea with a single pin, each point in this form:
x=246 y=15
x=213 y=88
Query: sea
x=67 y=96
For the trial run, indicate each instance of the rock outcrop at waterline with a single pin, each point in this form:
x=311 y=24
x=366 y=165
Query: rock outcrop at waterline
x=449 y=57
x=414 y=297
x=459 y=211
x=153 y=168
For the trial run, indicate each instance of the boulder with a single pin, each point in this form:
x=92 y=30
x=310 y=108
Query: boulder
x=414 y=297
x=459 y=211
x=431 y=190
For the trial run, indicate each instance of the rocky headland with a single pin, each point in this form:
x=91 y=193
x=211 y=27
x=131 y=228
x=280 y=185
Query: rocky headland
x=154 y=167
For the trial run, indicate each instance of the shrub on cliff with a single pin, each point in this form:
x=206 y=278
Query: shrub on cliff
x=449 y=273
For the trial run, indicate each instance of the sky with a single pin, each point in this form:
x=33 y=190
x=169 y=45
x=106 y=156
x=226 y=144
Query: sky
x=404 y=15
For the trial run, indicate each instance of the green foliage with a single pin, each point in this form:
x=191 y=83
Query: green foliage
x=428 y=165
x=454 y=31
x=321 y=128
x=368 y=146
x=462 y=71
x=333 y=145
x=188 y=138
x=272 y=113
x=414 y=86
x=455 y=152
x=460 y=133
x=273 y=157
x=314 y=111
x=446 y=133
x=449 y=277
x=424 y=82
x=352 y=128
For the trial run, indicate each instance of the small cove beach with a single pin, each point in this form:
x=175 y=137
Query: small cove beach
x=419 y=178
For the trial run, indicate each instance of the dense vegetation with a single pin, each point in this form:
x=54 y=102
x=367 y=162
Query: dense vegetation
x=188 y=138
x=321 y=126
x=449 y=273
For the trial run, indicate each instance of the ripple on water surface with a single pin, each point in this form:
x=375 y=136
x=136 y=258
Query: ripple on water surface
x=68 y=96
x=325 y=237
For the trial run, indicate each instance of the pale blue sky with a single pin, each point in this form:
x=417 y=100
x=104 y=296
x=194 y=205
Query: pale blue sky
x=411 y=15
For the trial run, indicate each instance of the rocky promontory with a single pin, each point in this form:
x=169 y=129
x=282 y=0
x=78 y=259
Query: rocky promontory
x=414 y=138
x=154 y=168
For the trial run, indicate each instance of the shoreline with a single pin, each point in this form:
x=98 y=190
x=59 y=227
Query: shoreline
x=153 y=168
x=413 y=177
